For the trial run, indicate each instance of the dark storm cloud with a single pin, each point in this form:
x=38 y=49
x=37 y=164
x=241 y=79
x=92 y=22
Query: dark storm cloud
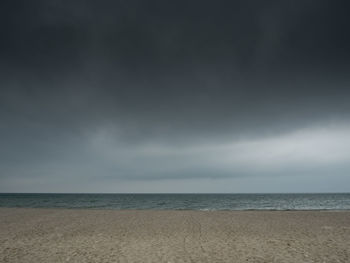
x=164 y=73
x=136 y=34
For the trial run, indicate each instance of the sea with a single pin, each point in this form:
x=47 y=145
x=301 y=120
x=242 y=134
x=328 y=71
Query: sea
x=204 y=202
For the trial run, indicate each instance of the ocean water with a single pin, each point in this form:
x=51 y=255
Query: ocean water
x=206 y=202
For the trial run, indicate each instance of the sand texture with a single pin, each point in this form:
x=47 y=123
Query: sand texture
x=57 y=235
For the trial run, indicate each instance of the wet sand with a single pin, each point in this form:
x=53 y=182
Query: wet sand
x=59 y=235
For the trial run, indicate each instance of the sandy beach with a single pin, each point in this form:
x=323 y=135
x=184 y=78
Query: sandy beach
x=59 y=235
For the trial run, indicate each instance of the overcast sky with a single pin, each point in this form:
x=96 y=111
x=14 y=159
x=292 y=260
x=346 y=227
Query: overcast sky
x=174 y=96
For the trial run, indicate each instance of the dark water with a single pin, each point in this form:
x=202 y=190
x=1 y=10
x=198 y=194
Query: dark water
x=181 y=201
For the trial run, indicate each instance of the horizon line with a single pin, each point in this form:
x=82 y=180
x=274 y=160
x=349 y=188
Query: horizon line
x=174 y=193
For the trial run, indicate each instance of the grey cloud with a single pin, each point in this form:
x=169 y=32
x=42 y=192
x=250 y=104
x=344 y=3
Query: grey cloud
x=174 y=75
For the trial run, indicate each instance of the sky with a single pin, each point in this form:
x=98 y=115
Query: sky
x=159 y=96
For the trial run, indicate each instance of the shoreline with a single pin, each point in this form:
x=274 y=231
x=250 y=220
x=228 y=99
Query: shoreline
x=102 y=235
x=193 y=210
